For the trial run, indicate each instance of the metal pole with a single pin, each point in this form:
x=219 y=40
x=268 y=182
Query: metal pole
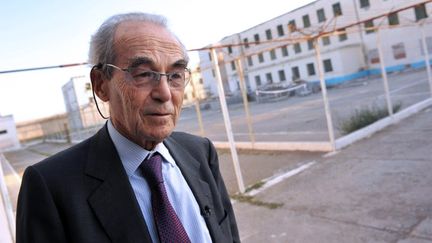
x=384 y=74
x=426 y=52
x=245 y=101
x=6 y=200
x=197 y=109
x=227 y=121
x=324 y=94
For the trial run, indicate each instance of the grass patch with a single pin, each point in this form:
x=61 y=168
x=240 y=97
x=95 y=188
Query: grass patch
x=255 y=186
x=251 y=200
x=364 y=117
x=39 y=152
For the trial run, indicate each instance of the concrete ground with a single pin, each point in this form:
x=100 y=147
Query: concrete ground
x=377 y=190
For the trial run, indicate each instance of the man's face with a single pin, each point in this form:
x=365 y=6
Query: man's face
x=145 y=115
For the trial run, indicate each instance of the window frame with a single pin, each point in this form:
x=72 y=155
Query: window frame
x=319 y=17
x=311 y=69
x=306 y=21
x=328 y=66
x=337 y=9
x=280 y=30
x=269 y=35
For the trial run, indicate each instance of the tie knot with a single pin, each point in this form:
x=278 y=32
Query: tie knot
x=152 y=169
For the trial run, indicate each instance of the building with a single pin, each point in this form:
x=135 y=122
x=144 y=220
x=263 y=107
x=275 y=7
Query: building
x=195 y=89
x=80 y=107
x=282 y=49
x=8 y=133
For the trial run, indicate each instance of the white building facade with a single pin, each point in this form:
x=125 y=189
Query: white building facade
x=348 y=51
x=8 y=133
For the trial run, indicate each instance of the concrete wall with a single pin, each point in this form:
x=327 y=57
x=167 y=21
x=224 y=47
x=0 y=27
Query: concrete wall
x=8 y=133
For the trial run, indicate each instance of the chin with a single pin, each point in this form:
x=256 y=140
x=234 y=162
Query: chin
x=158 y=133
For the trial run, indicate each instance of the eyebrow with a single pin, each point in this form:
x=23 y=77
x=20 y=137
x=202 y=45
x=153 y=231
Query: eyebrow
x=135 y=62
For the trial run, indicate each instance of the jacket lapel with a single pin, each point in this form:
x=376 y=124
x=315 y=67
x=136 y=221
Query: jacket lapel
x=190 y=169
x=114 y=202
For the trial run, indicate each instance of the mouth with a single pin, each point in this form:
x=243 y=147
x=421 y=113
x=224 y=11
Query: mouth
x=158 y=114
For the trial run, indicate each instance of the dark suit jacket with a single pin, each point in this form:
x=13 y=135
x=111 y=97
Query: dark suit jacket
x=83 y=194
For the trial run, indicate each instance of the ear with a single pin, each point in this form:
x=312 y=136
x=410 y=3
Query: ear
x=100 y=84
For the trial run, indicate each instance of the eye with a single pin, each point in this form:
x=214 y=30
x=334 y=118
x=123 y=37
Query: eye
x=144 y=74
x=176 y=76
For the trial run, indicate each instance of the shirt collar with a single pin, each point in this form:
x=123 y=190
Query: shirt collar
x=131 y=154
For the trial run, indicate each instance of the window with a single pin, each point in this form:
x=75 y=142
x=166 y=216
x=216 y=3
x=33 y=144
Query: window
x=209 y=55
x=250 y=61
x=246 y=42
x=213 y=73
x=260 y=58
x=280 y=30
x=3 y=132
x=399 y=51
x=393 y=19
x=201 y=81
x=284 y=51
x=269 y=78
x=364 y=3
x=310 y=69
x=337 y=10
x=369 y=26
x=326 y=40
x=269 y=34
x=310 y=44
x=233 y=66
x=257 y=38
x=292 y=26
x=258 y=80
x=295 y=73
x=306 y=21
x=420 y=12
x=282 y=75
x=273 y=54
x=342 y=35
x=373 y=56
x=327 y=65
x=297 y=48
x=229 y=49
x=321 y=15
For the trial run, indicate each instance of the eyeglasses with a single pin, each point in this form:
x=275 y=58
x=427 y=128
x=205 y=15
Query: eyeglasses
x=144 y=77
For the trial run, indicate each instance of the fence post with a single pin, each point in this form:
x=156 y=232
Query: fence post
x=6 y=201
x=426 y=53
x=245 y=101
x=384 y=74
x=226 y=117
x=324 y=94
x=197 y=109
x=67 y=133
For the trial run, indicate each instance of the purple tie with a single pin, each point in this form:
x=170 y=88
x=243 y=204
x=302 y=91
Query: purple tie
x=169 y=227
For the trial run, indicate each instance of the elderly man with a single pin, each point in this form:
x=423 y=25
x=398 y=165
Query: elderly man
x=135 y=180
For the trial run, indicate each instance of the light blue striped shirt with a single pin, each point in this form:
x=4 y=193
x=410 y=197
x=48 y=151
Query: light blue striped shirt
x=179 y=192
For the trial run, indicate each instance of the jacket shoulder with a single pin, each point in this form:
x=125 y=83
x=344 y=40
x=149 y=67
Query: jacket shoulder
x=66 y=161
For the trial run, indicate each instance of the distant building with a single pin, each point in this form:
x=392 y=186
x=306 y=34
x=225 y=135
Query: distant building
x=80 y=107
x=346 y=54
x=8 y=133
x=195 y=89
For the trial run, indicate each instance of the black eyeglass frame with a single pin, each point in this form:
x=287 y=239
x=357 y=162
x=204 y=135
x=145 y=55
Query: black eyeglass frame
x=158 y=75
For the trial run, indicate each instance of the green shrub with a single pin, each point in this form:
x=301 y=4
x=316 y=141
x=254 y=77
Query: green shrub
x=364 y=117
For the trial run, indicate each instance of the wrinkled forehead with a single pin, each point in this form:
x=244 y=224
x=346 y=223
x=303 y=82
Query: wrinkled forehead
x=133 y=39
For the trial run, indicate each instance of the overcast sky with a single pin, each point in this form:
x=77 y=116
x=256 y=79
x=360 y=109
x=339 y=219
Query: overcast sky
x=49 y=32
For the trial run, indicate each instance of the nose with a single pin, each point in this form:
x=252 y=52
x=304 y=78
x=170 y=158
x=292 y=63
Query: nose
x=161 y=91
